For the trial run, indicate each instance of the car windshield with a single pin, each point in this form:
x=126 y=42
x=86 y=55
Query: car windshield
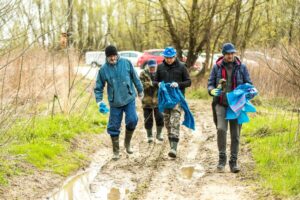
x=156 y=53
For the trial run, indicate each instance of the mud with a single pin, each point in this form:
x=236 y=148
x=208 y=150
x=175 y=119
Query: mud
x=150 y=174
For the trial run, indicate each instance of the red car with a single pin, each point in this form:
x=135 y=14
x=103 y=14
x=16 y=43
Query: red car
x=150 y=54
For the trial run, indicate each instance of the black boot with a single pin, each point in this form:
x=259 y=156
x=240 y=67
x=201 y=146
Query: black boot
x=116 y=147
x=222 y=162
x=234 y=168
x=149 y=135
x=128 y=136
x=159 y=135
x=173 y=151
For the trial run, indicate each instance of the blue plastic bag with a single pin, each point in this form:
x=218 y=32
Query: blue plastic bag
x=169 y=97
x=239 y=103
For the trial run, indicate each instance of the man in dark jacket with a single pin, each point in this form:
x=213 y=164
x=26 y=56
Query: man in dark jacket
x=150 y=102
x=122 y=82
x=174 y=72
x=225 y=76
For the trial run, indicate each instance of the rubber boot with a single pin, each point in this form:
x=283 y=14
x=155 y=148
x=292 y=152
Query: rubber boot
x=159 y=135
x=234 y=168
x=222 y=163
x=173 y=151
x=128 y=136
x=149 y=135
x=116 y=147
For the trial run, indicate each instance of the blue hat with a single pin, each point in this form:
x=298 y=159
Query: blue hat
x=228 y=48
x=152 y=63
x=169 y=52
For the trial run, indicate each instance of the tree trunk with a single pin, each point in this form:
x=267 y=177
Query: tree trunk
x=175 y=38
x=80 y=25
x=70 y=23
x=292 y=24
x=247 y=30
x=194 y=15
x=206 y=37
x=90 y=22
x=51 y=25
x=234 y=37
x=39 y=5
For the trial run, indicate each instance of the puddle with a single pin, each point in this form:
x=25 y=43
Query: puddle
x=192 y=171
x=85 y=186
x=114 y=194
x=111 y=193
x=76 y=188
x=187 y=172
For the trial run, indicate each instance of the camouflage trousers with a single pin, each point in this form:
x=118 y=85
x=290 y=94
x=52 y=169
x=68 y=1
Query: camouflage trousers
x=172 y=122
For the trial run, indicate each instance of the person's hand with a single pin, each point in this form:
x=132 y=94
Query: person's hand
x=102 y=107
x=159 y=84
x=216 y=92
x=141 y=95
x=174 y=85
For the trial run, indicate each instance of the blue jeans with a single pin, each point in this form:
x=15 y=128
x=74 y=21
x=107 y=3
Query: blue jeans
x=116 y=116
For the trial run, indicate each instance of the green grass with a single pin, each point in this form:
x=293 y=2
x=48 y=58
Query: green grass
x=197 y=93
x=277 y=154
x=47 y=143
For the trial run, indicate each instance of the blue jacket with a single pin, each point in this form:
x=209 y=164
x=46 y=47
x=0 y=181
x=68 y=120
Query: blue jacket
x=121 y=79
x=240 y=74
x=169 y=97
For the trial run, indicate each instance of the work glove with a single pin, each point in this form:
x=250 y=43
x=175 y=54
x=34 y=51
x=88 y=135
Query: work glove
x=174 y=85
x=216 y=92
x=102 y=107
x=141 y=95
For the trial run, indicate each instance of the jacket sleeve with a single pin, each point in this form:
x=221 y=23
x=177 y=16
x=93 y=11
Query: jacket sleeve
x=246 y=76
x=100 y=84
x=157 y=77
x=135 y=78
x=186 y=79
x=212 y=79
x=146 y=80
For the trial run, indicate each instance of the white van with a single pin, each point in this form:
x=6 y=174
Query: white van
x=95 y=58
x=133 y=56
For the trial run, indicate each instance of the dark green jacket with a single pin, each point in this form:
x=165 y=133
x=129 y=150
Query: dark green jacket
x=150 y=92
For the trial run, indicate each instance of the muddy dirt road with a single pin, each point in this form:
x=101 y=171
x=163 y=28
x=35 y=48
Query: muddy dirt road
x=150 y=174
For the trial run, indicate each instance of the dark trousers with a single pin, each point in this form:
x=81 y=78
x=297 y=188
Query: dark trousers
x=148 y=117
x=222 y=126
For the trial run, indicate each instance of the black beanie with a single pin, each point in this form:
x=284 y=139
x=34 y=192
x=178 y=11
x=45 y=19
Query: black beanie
x=111 y=51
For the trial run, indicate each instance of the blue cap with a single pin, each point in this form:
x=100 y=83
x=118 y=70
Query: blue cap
x=228 y=48
x=169 y=52
x=152 y=63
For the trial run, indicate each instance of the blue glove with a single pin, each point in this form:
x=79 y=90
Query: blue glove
x=216 y=92
x=103 y=108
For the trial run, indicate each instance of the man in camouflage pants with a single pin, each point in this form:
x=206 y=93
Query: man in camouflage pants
x=174 y=72
x=150 y=102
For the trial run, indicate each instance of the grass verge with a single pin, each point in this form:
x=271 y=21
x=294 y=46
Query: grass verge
x=50 y=144
x=275 y=149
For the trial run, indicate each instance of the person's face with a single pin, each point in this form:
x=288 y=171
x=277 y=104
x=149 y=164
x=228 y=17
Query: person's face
x=112 y=59
x=152 y=70
x=170 y=61
x=229 y=57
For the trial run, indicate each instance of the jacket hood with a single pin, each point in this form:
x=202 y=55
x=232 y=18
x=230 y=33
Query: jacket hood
x=220 y=61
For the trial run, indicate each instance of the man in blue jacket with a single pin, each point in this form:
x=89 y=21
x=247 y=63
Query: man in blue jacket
x=121 y=79
x=225 y=76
